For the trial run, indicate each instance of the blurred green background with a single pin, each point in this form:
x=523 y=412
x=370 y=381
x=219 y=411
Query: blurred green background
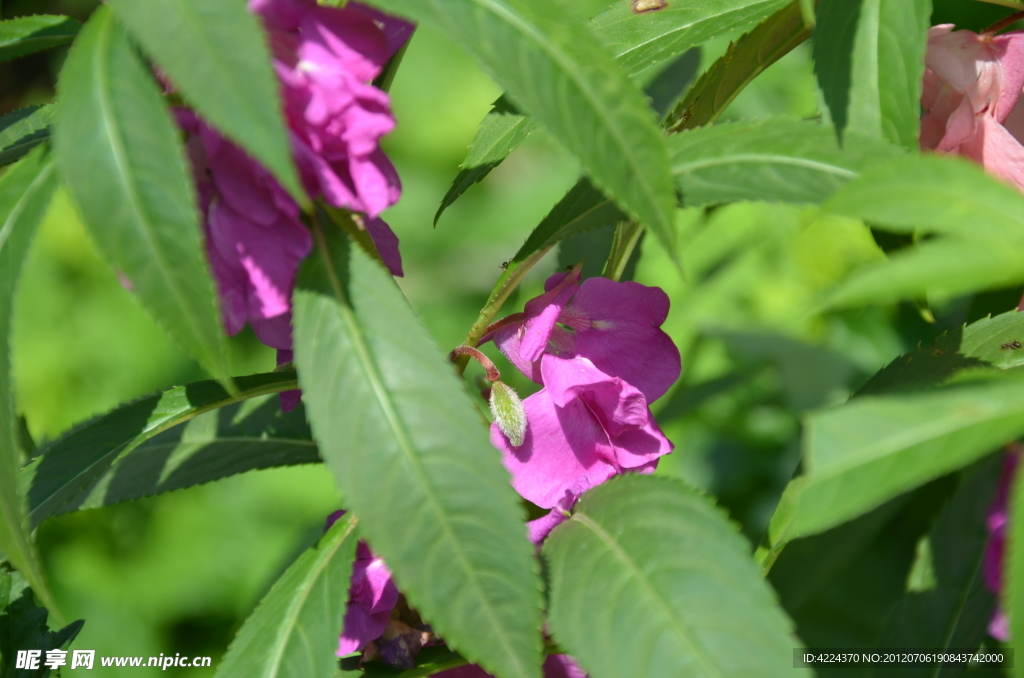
x=180 y=572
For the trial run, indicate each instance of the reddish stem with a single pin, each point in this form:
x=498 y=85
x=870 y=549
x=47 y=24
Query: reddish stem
x=492 y=372
x=1003 y=23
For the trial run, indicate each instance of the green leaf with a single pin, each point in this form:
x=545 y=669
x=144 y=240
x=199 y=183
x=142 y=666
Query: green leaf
x=23 y=627
x=411 y=455
x=745 y=59
x=28 y=34
x=22 y=130
x=555 y=69
x=25 y=192
x=649 y=579
x=121 y=157
x=980 y=222
x=120 y=455
x=1013 y=560
x=948 y=606
x=869 y=60
x=294 y=631
x=216 y=54
x=875 y=447
x=640 y=43
x=784 y=160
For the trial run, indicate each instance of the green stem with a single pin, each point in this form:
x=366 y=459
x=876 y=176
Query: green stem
x=627 y=235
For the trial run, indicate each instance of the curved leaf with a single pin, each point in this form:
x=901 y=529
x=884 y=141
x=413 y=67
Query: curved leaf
x=555 y=69
x=780 y=159
x=119 y=455
x=411 y=456
x=22 y=130
x=28 y=34
x=217 y=55
x=121 y=157
x=25 y=192
x=294 y=631
x=649 y=579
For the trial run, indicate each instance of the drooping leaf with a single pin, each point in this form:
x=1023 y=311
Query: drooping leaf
x=869 y=60
x=779 y=159
x=216 y=54
x=649 y=579
x=640 y=43
x=410 y=453
x=122 y=160
x=949 y=606
x=873 y=448
x=294 y=631
x=554 y=69
x=25 y=192
x=979 y=221
x=121 y=455
x=28 y=34
x=22 y=130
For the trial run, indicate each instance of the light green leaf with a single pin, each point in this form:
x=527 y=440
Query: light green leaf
x=294 y=631
x=121 y=157
x=25 y=192
x=554 y=69
x=216 y=54
x=121 y=455
x=28 y=34
x=869 y=59
x=411 y=455
x=948 y=606
x=779 y=159
x=1013 y=563
x=22 y=130
x=873 y=448
x=641 y=43
x=980 y=222
x=649 y=579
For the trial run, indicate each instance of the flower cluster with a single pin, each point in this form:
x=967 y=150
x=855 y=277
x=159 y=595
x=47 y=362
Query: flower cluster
x=972 y=84
x=325 y=59
x=599 y=351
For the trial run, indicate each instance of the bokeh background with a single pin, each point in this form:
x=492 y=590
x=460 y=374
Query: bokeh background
x=179 y=573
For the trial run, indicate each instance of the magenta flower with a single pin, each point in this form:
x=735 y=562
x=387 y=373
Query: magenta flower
x=555 y=666
x=371 y=597
x=998 y=517
x=614 y=325
x=971 y=87
x=582 y=428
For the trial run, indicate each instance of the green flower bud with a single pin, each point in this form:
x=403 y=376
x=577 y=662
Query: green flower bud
x=508 y=411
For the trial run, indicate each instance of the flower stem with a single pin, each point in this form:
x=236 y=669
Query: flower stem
x=1005 y=22
x=492 y=372
x=1012 y=4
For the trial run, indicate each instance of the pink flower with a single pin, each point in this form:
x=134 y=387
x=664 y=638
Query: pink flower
x=582 y=428
x=998 y=518
x=371 y=597
x=971 y=87
x=555 y=666
x=614 y=325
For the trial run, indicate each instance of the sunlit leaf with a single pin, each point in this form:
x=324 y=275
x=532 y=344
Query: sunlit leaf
x=22 y=130
x=28 y=34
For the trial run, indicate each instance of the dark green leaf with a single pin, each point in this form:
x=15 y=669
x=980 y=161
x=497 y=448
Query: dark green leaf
x=555 y=69
x=410 y=453
x=948 y=606
x=776 y=160
x=875 y=447
x=869 y=59
x=649 y=579
x=121 y=455
x=1013 y=563
x=217 y=55
x=28 y=34
x=640 y=43
x=22 y=130
x=23 y=627
x=25 y=191
x=121 y=157
x=294 y=631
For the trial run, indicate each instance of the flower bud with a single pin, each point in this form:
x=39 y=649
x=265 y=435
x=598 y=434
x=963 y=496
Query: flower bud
x=508 y=411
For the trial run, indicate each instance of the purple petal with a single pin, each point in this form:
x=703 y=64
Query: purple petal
x=542 y=315
x=617 y=405
x=540 y=528
x=290 y=399
x=386 y=242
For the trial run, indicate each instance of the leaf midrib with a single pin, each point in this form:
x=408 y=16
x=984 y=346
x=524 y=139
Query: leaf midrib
x=582 y=85
x=675 y=622
x=107 y=114
x=369 y=368
x=766 y=158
